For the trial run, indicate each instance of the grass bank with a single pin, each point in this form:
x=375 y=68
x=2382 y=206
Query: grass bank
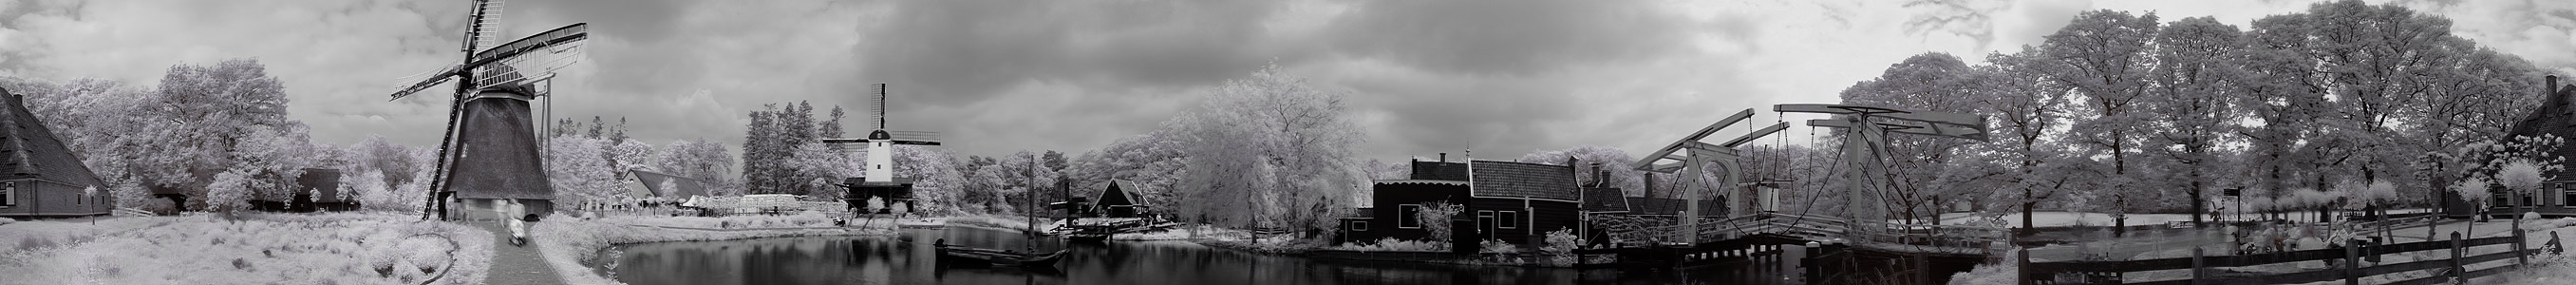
x=334 y=248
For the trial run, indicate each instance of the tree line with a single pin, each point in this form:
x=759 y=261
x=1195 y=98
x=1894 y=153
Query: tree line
x=2347 y=105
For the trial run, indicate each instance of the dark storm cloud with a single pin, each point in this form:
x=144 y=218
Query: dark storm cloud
x=1488 y=74
x=1506 y=37
x=960 y=52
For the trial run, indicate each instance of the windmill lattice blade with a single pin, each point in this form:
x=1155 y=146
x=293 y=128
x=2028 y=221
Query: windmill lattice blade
x=488 y=30
x=441 y=77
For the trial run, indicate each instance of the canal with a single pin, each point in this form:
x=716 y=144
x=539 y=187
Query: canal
x=908 y=259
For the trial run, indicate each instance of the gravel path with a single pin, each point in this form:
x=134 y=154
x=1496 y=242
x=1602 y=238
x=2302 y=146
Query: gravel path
x=515 y=264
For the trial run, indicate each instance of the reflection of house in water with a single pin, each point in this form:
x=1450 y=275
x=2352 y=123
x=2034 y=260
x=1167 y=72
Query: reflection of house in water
x=39 y=177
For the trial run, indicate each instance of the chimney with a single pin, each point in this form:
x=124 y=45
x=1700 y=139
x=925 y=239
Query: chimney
x=2552 y=88
x=1444 y=157
x=1650 y=186
x=1600 y=177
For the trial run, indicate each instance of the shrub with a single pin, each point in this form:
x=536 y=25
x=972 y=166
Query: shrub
x=1497 y=246
x=1435 y=218
x=1392 y=244
x=1559 y=249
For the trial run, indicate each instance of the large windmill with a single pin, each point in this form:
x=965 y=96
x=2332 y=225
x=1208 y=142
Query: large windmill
x=489 y=153
x=880 y=180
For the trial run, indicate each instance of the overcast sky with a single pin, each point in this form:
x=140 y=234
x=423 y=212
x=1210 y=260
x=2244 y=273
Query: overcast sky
x=1504 y=77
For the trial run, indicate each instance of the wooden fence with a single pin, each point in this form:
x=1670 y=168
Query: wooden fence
x=2342 y=259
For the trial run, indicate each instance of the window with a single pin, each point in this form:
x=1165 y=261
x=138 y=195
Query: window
x=1510 y=219
x=1485 y=219
x=1359 y=226
x=1408 y=216
x=9 y=195
x=2566 y=193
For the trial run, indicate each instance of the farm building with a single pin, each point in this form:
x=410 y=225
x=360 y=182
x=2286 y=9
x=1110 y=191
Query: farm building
x=39 y=177
x=669 y=186
x=2555 y=116
x=1118 y=202
x=1506 y=201
x=320 y=190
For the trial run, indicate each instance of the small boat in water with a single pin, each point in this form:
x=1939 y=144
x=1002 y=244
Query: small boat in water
x=974 y=256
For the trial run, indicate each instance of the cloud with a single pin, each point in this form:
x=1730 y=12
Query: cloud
x=999 y=77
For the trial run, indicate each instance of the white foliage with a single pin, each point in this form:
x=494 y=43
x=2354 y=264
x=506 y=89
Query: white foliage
x=231 y=191
x=2520 y=176
x=579 y=171
x=1270 y=141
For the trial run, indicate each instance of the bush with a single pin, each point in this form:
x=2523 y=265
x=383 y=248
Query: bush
x=1435 y=218
x=1392 y=244
x=1497 y=246
x=1559 y=250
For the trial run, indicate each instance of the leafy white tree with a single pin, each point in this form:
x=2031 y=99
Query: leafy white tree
x=1270 y=141
x=2522 y=178
x=579 y=172
x=706 y=161
x=2188 y=110
x=1151 y=163
x=2474 y=191
x=630 y=154
x=2105 y=57
x=937 y=182
x=230 y=191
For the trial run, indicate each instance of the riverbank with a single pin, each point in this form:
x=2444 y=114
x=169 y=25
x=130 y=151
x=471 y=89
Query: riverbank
x=1206 y=235
x=572 y=245
x=256 y=248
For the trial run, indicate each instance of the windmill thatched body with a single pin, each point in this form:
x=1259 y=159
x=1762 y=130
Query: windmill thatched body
x=489 y=156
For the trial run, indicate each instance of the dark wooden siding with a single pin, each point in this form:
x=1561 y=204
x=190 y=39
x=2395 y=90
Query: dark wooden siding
x=1387 y=208
x=1539 y=217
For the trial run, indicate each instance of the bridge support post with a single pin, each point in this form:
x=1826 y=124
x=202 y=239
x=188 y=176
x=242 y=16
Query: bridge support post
x=1813 y=264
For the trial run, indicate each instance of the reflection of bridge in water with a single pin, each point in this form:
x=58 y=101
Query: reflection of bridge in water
x=1834 y=252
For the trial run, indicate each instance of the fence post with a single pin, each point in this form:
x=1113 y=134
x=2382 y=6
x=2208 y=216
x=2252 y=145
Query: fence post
x=2351 y=262
x=2455 y=257
x=2520 y=259
x=2024 y=269
x=2197 y=265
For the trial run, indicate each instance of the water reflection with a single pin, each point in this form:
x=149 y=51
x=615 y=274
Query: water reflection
x=909 y=259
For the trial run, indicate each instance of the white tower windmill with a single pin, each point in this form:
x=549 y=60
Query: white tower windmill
x=879 y=180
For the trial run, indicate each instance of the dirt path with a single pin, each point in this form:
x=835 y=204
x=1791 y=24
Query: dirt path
x=515 y=264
